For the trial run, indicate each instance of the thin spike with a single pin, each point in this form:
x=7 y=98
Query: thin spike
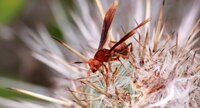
x=130 y=33
x=194 y=28
x=193 y=58
x=167 y=41
x=68 y=104
x=55 y=57
x=144 y=48
x=115 y=73
x=197 y=68
x=123 y=66
x=161 y=32
x=82 y=93
x=72 y=50
x=140 y=49
x=150 y=53
x=177 y=44
x=158 y=28
x=77 y=100
x=97 y=88
x=196 y=49
x=100 y=8
x=139 y=34
x=147 y=14
x=138 y=42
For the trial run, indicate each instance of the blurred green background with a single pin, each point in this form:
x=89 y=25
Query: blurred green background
x=15 y=59
x=10 y=9
x=16 y=63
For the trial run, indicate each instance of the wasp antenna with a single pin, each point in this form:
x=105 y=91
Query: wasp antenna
x=79 y=62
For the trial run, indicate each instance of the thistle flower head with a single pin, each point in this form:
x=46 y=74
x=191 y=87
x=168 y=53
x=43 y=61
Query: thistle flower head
x=161 y=68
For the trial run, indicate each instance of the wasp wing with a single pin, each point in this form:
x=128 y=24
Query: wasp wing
x=107 y=22
x=129 y=34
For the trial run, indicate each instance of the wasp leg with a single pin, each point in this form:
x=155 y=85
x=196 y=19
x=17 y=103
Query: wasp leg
x=126 y=49
x=88 y=73
x=106 y=77
x=116 y=57
x=131 y=47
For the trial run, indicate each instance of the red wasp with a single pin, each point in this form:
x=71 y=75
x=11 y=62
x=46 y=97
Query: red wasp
x=105 y=55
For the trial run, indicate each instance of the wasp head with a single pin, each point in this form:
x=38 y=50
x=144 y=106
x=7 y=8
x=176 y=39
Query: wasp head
x=94 y=64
